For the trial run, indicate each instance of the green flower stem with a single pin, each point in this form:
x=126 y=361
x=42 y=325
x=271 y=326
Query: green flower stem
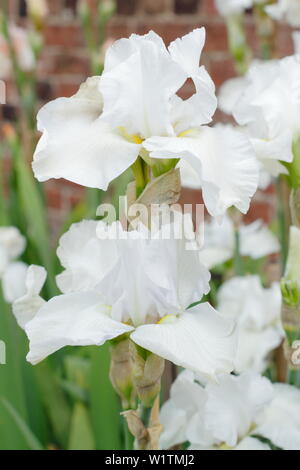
x=238 y=45
x=265 y=28
x=139 y=175
x=238 y=262
x=282 y=217
x=145 y=414
x=163 y=166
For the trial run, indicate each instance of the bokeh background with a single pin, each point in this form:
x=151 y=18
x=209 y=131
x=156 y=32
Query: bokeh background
x=65 y=64
x=67 y=401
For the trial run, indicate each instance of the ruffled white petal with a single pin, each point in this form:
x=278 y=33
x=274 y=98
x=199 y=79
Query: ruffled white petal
x=128 y=287
x=232 y=7
x=172 y=263
x=122 y=49
x=12 y=245
x=13 y=281
x=285 y=9
x=234 y=404
x=257 y=312
x=257 y=240
x=296 y=39
x=186 y=51
x=137 y=91
x=78 y=319
x=224 y=160
x=174 y=422
x=189 y=177
x=245 y=299
x=281 y=420
x=199 y=108
x=218 y=242
x=85 y=257
x=270 y=107
x=254 y=347
x=166 y=275
x=26 y=306
x=186 y=399
x=230 y=92
x=201 y=341
x=77 y=145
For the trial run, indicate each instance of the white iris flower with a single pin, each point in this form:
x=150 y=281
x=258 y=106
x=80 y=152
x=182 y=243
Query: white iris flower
x=130 y=285
x=243 y=412
x=12 y=272
x=133 y=109
x=257 y=311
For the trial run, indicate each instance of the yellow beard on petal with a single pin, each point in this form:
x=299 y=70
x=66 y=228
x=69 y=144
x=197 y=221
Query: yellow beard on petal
x=167 y=319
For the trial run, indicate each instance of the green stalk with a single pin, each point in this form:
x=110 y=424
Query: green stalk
x=282 y=221
x=238 y=263
x=238 y=45
x=138 y=172
x=145 y=414
x=265 y=28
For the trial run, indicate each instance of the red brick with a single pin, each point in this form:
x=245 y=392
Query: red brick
x=66 y=89
x=186 y=6
x=284 y=42
x=156 y=6
x=167 y=29
x=117 y=28
x=69 y=35
x=53 y=197
x=55 y=6
x=216 y=37
x=126 y=8
x=187 y=90
x=64 y=62
x=260 y=210
x=208 y=7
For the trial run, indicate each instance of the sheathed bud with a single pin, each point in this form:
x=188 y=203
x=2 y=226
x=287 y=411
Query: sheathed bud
x=121 y=371
x=147 y=372
x=37 y=11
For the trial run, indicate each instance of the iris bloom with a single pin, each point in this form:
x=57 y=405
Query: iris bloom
x=257 y=311
x=133 y=109
x=128 y=285
x=266 y=104
x=232 y=7
x=288 y=10
x=23 y=50
x=231 y=414
x=255 y=239
x=12 y=272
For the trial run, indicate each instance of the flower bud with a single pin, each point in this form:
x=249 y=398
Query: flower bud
x=121 y=370
x=84 y=12
x=37 y=11
x=107 y=9
x=147 y=372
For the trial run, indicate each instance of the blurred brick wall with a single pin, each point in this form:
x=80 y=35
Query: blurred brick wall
x=65 y=64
